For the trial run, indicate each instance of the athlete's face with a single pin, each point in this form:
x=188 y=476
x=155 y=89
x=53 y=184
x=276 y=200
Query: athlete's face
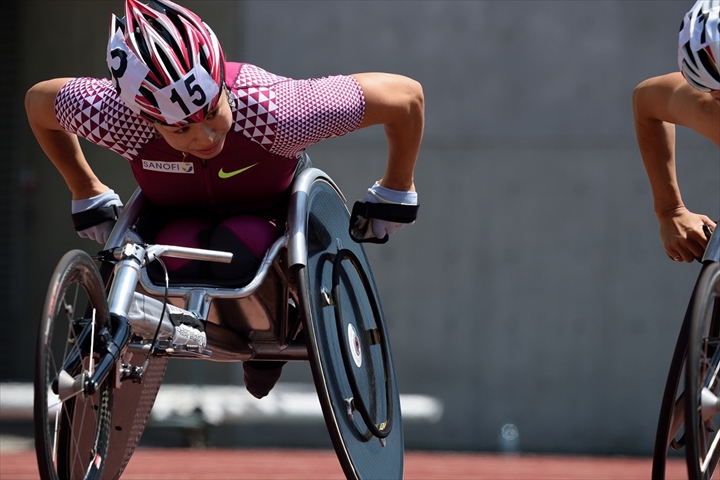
x=205 y=139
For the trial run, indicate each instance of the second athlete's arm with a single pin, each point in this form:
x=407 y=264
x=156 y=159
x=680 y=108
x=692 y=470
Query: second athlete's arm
x=659 y=104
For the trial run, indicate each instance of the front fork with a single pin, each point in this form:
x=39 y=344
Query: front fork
x=113 y=338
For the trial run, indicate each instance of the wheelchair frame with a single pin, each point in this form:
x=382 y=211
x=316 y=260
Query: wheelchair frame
x=106 y=396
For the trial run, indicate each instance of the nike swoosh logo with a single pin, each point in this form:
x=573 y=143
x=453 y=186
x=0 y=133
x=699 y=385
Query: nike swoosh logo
x=222 y=174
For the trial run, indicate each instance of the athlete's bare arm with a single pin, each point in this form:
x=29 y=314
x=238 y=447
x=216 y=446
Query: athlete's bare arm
x=61 y=147
x=659 y=104
x=397 y=102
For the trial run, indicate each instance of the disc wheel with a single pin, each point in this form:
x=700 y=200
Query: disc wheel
x=349 y=349
x=72 y=429
x=702 y=382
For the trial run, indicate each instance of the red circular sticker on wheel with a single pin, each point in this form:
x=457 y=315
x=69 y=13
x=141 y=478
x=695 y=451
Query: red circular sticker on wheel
x=354 y=343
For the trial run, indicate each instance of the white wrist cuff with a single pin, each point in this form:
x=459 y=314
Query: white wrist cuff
x=382 y=194
x=103 y=200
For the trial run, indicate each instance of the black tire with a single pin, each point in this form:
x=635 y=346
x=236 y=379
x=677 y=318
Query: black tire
x=702 y=380
x=71 y=436
x=349 y=349
x=670 y=429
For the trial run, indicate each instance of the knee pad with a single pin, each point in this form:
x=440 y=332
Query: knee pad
x=248 y=238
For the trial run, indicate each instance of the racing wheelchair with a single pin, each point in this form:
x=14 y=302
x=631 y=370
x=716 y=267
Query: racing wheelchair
x=108 y=331
x=690 y=409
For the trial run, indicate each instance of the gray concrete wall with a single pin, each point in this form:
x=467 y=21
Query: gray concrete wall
x=533 y=288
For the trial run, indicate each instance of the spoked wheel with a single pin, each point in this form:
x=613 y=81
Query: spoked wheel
x=72 y=429
x=702 y=382
x=348 y=345
x=670 y=429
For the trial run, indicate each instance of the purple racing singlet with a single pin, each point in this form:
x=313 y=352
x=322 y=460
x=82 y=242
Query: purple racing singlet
x=274 y=120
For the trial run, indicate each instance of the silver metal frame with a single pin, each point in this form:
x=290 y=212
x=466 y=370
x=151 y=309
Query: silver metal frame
x=295 y=238
x=198 y=298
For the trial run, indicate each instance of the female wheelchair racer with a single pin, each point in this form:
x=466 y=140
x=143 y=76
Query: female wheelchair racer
x=217 y=149
x=216 y=144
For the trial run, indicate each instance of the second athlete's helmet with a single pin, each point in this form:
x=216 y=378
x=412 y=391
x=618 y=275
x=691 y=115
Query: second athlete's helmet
x=166 y=64
x=699 y=45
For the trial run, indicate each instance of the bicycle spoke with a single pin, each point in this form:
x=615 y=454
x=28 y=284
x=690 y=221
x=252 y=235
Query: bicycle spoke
x=710 y=453
x=702 y=413
x=72 y=428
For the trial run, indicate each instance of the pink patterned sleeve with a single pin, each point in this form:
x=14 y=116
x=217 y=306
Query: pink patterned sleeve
x=91 y=109
x=287 y=115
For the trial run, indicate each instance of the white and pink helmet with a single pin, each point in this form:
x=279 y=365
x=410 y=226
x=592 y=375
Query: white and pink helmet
x=699 y=45
x=166 y=64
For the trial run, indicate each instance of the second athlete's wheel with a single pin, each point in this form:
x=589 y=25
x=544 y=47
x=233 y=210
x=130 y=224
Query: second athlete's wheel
x=72 y=429
x=348 y=345
x=670 y=428
x=702 y=380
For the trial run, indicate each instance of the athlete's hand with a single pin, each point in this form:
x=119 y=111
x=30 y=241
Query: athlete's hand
x=95 y=217
x=375 y=229
x=681 y=232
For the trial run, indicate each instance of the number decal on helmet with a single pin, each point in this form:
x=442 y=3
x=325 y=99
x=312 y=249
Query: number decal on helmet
x=192 y=89
x=120 y=70
x=127 y=71
x=187 y=95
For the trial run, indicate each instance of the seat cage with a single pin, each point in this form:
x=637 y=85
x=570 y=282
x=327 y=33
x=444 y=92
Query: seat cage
x=259 y=320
